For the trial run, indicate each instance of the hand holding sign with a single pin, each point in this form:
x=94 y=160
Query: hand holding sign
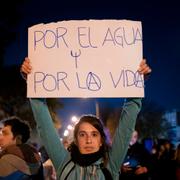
x=96 y=58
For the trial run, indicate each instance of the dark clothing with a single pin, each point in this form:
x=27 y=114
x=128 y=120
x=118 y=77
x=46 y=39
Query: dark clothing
x=136 y=156
x=20 y=162
x=164 y=169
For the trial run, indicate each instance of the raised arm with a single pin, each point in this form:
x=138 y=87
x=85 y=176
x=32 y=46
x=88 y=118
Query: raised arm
x=127 y=121
x=123 y=132
x=48 y=133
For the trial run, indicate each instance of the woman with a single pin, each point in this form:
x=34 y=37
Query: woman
x=89 y=156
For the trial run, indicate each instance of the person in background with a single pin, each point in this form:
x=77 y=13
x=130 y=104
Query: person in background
x=89 y=155
x=137 y=162
x=177 y=161
x=18 y=160
x=164 y=164
x=49 y=171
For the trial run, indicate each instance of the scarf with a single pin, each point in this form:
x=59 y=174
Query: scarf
x=23 y=151
x=85 y=159
x=88 y=159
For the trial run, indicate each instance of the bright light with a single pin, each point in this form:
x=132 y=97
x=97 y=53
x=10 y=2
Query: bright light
x=74 y=119
x=66 y=132
x=70 y=127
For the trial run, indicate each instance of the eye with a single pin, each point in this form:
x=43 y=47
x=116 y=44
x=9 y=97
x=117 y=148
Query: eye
x=95 y=134
x=81 y=134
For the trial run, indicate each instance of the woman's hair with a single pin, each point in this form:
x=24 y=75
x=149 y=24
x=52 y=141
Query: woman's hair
x=97 y=123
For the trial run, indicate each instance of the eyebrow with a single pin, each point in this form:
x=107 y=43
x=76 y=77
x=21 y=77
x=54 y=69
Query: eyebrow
x=89 y=131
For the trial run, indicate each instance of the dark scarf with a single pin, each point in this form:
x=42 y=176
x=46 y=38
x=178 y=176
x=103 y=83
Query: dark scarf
x=85 y=159
x=88 y=159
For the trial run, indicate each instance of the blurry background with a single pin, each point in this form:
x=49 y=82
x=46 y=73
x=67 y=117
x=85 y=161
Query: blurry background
x=161 y=27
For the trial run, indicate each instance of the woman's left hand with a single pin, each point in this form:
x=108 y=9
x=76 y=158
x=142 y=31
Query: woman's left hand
x=144 y=68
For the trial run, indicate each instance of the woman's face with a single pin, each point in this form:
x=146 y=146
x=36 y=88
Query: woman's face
x=88 y=139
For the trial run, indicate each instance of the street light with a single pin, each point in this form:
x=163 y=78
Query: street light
x=70 y=127
x=66 y=132
x=74 y=119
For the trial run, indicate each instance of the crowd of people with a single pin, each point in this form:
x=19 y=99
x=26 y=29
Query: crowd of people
x=89 y=155
x=159 y=162
x=21 y=160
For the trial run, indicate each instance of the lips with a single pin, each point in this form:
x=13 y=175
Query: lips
x=88 y=148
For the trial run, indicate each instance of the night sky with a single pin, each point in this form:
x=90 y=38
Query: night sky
x=161 y=37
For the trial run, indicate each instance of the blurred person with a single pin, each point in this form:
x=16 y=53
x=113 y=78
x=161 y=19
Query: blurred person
x=167 y=162
x=177 y=160
x=89 y=155
x=49 y=170
x=66 y=142
x=137 y=161
x=169 y=150
x=163 y=161
x=1 y=126
x=18 y=160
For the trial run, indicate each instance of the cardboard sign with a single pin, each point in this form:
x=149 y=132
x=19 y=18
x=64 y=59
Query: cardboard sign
x=85 y=58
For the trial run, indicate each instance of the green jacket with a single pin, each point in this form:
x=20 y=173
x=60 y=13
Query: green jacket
x=59 y=155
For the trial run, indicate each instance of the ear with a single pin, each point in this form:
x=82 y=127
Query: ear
x=101 y=143
x=18 y=139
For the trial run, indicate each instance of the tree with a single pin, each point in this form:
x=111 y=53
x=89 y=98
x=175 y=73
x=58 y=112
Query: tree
x=151 y=122
x=13 y=101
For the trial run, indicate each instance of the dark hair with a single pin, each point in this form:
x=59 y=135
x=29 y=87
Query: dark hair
x=98 y=124
x=18 y=127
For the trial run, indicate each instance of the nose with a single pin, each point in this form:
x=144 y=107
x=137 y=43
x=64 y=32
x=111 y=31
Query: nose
x=88 y=139
x=1 y=133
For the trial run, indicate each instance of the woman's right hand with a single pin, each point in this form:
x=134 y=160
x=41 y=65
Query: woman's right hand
x=26 y=67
